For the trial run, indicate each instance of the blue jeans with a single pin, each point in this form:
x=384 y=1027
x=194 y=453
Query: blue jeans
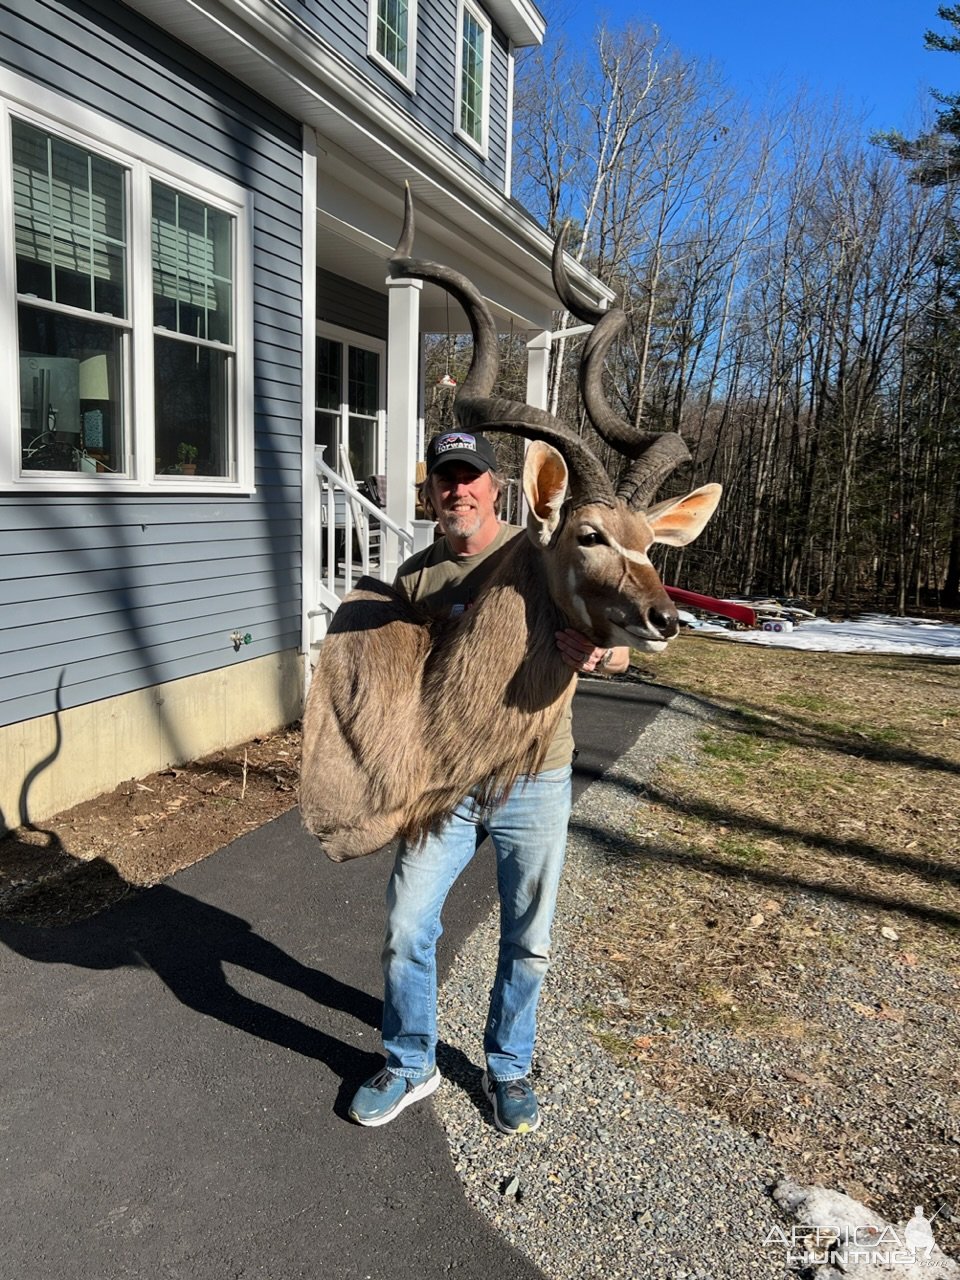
x=529 y=833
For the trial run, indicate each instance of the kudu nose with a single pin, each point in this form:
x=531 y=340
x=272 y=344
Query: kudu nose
x=664 y=621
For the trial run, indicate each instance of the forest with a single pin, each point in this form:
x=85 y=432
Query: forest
x=792 y=290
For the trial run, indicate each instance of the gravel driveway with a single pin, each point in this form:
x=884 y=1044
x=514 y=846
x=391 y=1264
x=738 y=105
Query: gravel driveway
x=618 y=1182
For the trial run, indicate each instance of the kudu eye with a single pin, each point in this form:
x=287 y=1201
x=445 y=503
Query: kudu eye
x=590 y=538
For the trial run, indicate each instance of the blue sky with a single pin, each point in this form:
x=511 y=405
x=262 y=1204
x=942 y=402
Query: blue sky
x=870 y=53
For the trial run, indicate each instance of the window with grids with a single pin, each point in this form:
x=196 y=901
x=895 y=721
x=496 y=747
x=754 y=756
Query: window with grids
x=392 y=16
x=126 y=320
x=348 y=402
x=393 y=36
x=473 y=75
x=74 y=325
x=193 y=346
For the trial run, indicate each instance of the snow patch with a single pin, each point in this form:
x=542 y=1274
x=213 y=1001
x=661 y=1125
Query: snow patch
x=838 y=1238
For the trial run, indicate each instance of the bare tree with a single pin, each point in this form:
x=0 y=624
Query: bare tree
x=794 y=304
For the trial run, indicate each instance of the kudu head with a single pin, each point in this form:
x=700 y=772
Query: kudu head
x=595 y=539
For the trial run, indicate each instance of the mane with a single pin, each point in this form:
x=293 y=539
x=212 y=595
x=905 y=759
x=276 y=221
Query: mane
x=408 y=716
x=501 y=662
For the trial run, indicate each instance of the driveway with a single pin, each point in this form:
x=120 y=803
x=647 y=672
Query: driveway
x=175 y=1072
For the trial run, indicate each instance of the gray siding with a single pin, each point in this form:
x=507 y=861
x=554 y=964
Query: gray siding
x=109 y=594
x=343 y=25
x=351 y=306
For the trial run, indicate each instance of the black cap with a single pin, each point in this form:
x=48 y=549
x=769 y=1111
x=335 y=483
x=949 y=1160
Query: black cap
x=460 y=446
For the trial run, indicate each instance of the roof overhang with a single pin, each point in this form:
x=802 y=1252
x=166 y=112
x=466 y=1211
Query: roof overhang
x=521 y=22
x=368 y=148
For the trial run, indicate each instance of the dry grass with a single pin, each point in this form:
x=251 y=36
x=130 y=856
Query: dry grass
x=790 y=916
x=840 y=773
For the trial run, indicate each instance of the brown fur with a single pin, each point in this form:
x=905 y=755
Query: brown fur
x=404 y=718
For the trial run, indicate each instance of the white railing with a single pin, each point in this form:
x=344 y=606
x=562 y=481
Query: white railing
x=357 y=538
x=510 y=502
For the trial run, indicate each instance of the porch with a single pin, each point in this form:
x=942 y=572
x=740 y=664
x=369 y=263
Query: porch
x=363 y=353
x=358 y=539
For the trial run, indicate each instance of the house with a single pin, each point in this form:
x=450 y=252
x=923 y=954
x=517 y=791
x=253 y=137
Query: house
x=197 y=201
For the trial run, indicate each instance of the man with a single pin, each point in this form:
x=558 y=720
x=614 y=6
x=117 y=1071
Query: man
x=528 y=830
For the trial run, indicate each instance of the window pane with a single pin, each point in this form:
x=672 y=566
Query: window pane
x=193 y=395
x=392 y=38
x=361 y=447
x=471 y=77
x=70 y=215
x=108 y=291
x=192 y=266
x=363 y=381
x=328 y=374
x=325 y=433
x=71 y=393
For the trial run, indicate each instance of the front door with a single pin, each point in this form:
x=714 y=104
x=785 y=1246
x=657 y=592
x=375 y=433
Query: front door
x=349 y=402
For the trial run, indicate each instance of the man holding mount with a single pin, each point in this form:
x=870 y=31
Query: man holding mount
x=528 y=830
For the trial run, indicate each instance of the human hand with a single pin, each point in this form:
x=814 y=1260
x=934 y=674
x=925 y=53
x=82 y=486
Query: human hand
x=578 y=651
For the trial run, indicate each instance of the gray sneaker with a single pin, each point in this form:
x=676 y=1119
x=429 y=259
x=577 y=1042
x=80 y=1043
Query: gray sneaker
x=515 y=1108
x=386 y=1094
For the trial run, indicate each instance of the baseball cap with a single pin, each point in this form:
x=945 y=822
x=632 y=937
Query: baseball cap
x=460 y=446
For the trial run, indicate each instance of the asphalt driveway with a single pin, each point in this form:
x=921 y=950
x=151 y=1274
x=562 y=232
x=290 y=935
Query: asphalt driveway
x=175 y=1072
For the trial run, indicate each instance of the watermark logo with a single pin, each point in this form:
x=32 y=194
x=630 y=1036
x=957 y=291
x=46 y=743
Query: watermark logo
x=844 y=1245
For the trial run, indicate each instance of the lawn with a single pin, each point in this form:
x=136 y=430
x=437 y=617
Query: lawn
x=787 y=939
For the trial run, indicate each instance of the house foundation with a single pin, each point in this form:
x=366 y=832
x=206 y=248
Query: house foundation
x=53 y=762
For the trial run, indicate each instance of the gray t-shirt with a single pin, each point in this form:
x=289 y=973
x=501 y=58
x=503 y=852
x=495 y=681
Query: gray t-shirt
x=443 y=585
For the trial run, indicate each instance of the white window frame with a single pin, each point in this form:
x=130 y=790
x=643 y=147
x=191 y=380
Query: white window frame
x=144 y=161
x=481 y=145
x=409 y=79
x=350 y=338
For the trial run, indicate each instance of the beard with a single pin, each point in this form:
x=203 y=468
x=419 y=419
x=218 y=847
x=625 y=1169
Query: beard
x=462 y=524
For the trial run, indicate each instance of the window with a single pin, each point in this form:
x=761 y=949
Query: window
x=193 y=346
x=473 y=73
x=73 y=326
x=392 y=37
x=129 y=317
x=349 y=400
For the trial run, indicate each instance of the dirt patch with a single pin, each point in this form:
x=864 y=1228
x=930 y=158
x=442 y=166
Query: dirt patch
x=82 y=860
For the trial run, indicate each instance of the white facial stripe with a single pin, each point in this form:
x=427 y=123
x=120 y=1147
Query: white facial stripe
x=636 y=557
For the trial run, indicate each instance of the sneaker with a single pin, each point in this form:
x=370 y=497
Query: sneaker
x=385 y=1095
x=514 y=1103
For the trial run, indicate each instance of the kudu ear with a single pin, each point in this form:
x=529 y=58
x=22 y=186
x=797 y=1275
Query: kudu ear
x=545 y=487
x=679 y=520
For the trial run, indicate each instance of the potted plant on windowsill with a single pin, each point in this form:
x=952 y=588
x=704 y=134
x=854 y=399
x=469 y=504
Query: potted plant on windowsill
x=187 y=458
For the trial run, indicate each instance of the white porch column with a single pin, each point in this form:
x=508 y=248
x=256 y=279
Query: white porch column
x=403 y=384
x=538 y=369
x=538 y=386
x=310 y=509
